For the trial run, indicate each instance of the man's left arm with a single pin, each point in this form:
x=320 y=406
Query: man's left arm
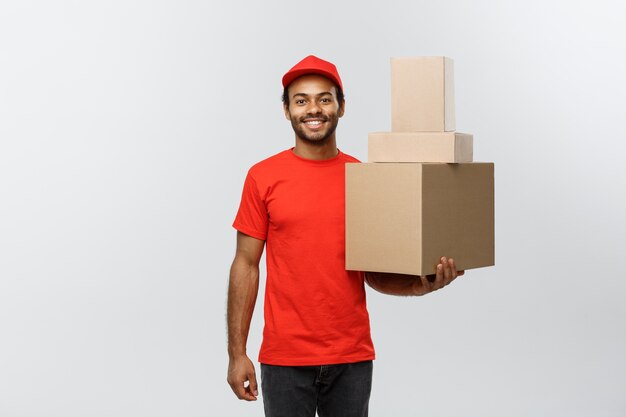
x=400 y=284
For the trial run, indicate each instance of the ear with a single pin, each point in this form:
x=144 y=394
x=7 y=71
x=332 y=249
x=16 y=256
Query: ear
x=342 y=108
x=286 y=111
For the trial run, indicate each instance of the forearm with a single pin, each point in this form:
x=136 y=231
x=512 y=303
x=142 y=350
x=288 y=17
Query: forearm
x=393 y=284
x=242 y=292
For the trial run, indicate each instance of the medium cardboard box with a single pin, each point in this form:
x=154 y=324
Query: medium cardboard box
x=402 y=217
x=452 y=147
x=422 y=94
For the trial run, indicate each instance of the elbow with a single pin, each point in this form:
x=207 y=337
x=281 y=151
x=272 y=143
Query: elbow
x=243 y=268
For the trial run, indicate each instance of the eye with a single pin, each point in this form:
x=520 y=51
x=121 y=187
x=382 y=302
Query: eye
x=300 y=102
x=325 y=100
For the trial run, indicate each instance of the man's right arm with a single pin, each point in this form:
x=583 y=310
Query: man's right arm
x=242 y=292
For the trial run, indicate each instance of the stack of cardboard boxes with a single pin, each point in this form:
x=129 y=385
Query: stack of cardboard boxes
x=420 y=196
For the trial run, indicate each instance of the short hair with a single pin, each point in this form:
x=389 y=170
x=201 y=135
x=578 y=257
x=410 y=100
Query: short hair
x=340 y=96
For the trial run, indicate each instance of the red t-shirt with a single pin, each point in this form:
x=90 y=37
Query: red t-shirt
x=315 y=310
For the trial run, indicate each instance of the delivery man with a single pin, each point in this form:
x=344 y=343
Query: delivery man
x=317 y=350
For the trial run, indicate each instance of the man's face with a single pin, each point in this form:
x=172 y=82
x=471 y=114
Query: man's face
x=313 y=108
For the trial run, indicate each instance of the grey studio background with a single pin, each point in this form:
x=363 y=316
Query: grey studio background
x=126 y=130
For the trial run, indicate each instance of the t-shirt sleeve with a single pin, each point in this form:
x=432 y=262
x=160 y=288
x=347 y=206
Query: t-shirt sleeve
x=252 y=218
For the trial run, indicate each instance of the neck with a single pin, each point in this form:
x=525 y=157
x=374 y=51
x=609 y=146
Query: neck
x=308 y=150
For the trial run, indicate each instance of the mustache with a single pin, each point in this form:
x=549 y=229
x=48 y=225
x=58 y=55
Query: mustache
x=315 y=116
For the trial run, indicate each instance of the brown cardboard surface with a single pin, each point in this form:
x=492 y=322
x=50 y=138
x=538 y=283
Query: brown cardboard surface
x=451 y=147
x=422 y=94
x=402 y=217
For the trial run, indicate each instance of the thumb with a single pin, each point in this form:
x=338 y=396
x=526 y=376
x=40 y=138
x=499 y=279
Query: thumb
x=253 y=384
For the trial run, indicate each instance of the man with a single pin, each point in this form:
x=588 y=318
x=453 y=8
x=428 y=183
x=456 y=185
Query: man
x=317 y=351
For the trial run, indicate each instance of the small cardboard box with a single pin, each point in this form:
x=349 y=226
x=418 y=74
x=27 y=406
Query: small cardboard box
x=402 y=217
x=422 y=94
x=452 y=147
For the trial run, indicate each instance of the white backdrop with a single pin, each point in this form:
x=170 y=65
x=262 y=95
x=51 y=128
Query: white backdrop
x=126 y=130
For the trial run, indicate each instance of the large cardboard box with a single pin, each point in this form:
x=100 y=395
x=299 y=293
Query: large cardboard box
x=402 y=217
x=422 y=94
x=452 y=147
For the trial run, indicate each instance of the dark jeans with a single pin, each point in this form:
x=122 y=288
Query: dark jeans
x=341 y=390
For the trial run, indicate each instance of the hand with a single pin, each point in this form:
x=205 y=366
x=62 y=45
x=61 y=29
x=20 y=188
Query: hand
x=240 y=371
x=446 y=273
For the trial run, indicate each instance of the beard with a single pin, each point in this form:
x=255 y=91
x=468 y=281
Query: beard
x=315 y=138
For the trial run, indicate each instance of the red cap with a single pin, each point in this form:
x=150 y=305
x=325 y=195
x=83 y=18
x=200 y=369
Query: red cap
x=313 y=65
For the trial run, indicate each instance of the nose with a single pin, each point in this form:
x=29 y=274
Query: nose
x=313 y=107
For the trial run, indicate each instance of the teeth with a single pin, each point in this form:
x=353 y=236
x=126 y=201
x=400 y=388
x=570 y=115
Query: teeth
x=313 y=122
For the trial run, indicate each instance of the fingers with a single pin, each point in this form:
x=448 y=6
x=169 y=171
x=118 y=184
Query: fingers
x=245 y=390
x=440 y=276
x=452 y=267
x=253 y=388
x=453 y=272
x=250 y=389
x=446 y=273
x=240 y=390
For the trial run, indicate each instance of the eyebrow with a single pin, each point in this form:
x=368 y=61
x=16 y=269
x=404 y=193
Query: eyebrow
x=317 y=95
